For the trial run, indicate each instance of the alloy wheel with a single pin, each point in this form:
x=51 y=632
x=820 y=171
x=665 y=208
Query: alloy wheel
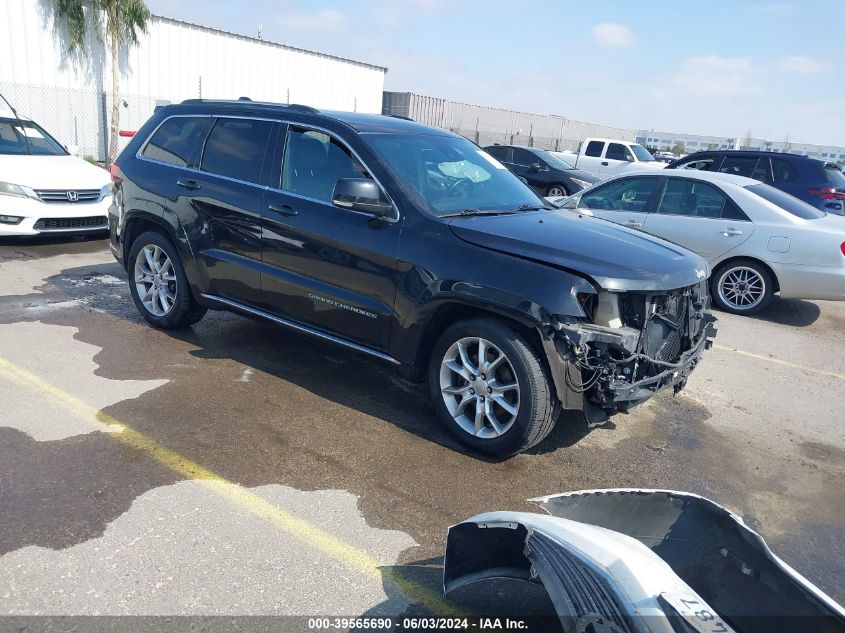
x=155 y=280
x=556 y=191
x=742 y=288
x=479 y=387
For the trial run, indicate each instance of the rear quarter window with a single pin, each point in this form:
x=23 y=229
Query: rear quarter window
x=788 y=203
x=177 y=140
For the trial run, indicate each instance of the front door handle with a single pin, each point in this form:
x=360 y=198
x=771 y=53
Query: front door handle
x=633 y=225
x=604 y=163
x=191 y=185
x=728 y=232
x=283 y=209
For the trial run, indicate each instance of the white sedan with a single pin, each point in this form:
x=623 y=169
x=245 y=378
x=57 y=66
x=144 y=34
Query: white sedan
x=44 y=188
x=758 y=240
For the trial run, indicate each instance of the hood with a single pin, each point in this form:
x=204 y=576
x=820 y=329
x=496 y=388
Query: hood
x=615 y=257
x=582 y=175
x=52 y=172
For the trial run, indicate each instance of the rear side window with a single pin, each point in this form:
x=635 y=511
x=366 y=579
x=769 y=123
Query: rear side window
x=594 y=148
x=784 y=171
x=788 y=203
x=235 y=148
x=177 y=140
x=702 y=164
x=739 y=165
x=499 y=153
x=696 y=199
x=617 y=151
x=524 y=157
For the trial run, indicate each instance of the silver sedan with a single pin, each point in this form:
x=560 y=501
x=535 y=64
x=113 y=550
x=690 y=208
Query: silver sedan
x=758 y=240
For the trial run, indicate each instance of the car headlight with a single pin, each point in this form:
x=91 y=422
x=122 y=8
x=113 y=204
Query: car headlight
x=19 y=191
x=581 y=183
x=105 y=191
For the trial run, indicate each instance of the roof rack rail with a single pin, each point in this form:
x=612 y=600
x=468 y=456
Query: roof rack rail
x=302 y=108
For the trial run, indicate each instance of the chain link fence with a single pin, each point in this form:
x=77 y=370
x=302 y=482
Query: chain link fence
x=77 y=116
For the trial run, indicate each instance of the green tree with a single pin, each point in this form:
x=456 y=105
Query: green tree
x=679 y=148
x=118 y=22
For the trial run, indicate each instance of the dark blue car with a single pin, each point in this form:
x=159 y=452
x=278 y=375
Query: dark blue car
x=814 y=181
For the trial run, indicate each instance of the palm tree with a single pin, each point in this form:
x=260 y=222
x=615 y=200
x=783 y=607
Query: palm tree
x=123 y=20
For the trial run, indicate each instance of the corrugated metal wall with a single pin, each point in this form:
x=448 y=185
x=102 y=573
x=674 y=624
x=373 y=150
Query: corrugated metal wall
x=173 y=61
x=486 y=125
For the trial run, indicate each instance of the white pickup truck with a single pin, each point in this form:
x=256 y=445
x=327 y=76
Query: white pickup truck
x=605 y=157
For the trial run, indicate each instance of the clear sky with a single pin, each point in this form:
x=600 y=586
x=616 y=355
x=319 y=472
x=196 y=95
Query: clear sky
x=719 y=67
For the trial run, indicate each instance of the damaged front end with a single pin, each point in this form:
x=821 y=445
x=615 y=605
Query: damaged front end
x=630 y=346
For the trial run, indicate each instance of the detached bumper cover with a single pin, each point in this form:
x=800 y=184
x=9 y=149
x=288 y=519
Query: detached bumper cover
x=641 y=560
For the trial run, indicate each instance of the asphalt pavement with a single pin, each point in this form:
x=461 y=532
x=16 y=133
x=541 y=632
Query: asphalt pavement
x=238 y=469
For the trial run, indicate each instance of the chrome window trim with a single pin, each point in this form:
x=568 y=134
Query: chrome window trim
x=282 y=121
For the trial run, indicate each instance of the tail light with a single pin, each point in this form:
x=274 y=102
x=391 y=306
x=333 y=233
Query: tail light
x=114 y=172
x=827 y=193
x=842 y=247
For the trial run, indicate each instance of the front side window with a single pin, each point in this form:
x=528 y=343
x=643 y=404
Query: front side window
x=451 y=174
x=617 y=151
x=314 y=162
x=692 y=198
x=235 y=148
x=739 y=165
x=25 y=137
x=625 y=194
x=177 y=140
x=594 y=149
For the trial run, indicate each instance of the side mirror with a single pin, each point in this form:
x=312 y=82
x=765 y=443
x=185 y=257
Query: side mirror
x=523 y=179
x=72 y=149
x=535 y=167
x=361 y=194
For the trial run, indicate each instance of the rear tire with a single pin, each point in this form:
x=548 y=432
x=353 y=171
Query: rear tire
x=501 y=406
x=742 y=287
x=158 y=284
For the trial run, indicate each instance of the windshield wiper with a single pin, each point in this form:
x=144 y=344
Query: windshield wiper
x=533 y=207
x=472 y=211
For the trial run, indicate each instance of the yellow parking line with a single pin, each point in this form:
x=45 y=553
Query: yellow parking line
x=287 y=522
x=778 y=361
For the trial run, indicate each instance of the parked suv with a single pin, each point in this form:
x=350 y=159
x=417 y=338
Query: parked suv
x=813 y=181
x=412 y=245
x=546 y=173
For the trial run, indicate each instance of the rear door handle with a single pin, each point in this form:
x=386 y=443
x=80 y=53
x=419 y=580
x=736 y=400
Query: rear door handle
x=730 y=231
x=191 y=185
x=633 y=225
x=604 y=163
x=283 y=209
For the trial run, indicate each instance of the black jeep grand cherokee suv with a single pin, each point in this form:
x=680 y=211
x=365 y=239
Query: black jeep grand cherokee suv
x=410 y=244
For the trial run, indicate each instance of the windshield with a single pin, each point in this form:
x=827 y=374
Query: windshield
x=452 y=174
x=556 y=161
x=25 y=137
x=641 y=152
x=787 y=202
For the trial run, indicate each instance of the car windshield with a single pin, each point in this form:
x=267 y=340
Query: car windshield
x=641 y=152
x=25 y=137
x=452 y=174
x=787 y=202
x=555 y=161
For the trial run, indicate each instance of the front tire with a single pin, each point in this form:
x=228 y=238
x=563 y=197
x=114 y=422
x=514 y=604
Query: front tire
x=158 y=284
x=490 y=387
x=556 y=190
x=742 y=287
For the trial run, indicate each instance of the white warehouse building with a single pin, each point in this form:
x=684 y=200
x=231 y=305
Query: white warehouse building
x=665 y=141
x=70 y=95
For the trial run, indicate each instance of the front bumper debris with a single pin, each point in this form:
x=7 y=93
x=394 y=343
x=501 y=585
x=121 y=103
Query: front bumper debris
x=658 y=343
